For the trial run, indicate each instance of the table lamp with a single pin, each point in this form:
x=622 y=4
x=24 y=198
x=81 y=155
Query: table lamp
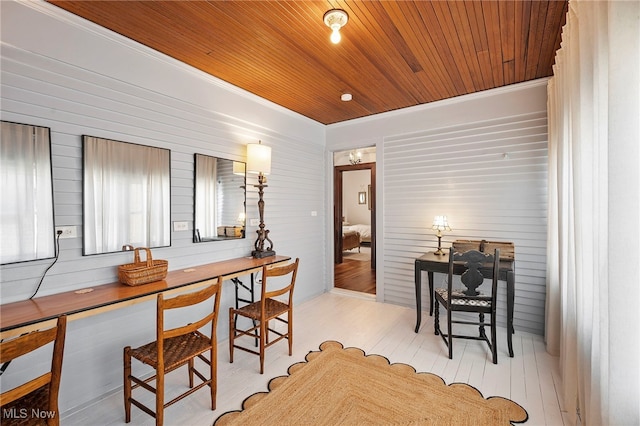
x=259 y=161
x=440 y=224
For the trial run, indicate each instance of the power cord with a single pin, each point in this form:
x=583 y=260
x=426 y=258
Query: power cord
x=58 y=233
x=4 y=366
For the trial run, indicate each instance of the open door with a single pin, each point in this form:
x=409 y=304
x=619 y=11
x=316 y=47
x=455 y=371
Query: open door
x=337 y=209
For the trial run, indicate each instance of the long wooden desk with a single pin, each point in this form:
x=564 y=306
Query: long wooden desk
x=432 y=262
x=28 y=315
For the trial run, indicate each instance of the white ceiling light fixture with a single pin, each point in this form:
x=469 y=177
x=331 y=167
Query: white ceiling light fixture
x=335 y=19
x=346 y=97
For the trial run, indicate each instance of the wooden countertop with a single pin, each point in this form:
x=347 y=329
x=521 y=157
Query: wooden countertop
x=21 y=316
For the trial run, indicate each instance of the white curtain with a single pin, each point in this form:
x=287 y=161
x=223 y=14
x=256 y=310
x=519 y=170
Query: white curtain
x=206 y=196
x=26 y=228
x=126 y=196
x=588 y=100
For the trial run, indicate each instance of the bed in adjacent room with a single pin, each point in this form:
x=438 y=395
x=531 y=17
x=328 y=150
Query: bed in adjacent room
x=363 y=230
x=350 y=240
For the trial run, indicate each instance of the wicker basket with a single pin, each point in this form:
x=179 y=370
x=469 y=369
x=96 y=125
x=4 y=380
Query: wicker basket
x=138 y=272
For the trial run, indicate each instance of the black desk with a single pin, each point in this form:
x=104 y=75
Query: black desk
x=431 y=263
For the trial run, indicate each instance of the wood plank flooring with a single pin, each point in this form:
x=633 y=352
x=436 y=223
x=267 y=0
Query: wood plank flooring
x=530 y=378
x=355 y=275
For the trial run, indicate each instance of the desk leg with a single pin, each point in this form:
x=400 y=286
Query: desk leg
x=249 y=288
x=511 y=295
x=418 y=284
x=430 y=275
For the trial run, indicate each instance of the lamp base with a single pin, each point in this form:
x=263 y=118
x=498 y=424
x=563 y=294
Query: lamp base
x=439 y=252
x=257 y=254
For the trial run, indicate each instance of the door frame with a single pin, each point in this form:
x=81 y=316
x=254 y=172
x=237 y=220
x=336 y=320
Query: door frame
x=337 y=209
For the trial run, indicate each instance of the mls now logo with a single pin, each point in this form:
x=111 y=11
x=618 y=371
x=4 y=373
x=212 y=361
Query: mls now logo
x=24 y=413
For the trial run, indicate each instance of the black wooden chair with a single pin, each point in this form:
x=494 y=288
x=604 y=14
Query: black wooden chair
x=276 y=303
x=173 y=348
x=40 y=394
x=475 y=267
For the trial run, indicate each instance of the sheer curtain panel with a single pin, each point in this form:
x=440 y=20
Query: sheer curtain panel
x=127 y=196
x=206 y=196
x=593 y=230
x=26 y=228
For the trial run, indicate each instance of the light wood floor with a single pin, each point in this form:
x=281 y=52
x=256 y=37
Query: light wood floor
x=530 y=378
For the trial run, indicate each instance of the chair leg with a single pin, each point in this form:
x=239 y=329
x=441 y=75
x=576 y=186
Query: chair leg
x=481 y=328
x=159 y=397
x=494 y=338
x=232 y=333
x=213 y=371
x=436 y=317
x=127 y=384
x=263 y=331
x=190 y=367
x=266 y=330
x=290 y=331
x=449 y=333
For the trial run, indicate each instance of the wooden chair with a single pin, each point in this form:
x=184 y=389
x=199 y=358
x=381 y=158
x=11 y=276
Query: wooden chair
x=266 y=309
x=174 y=348
x=41 y=393
x=476 y=267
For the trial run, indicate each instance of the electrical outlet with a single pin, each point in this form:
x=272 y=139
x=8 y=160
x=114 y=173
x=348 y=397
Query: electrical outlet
x=67 y=231
x=255 y=222
x=180 y=226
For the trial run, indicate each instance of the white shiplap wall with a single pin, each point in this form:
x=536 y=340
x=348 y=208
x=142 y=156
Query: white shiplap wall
x=64 y=73
x=490 y=180
x=479 y=159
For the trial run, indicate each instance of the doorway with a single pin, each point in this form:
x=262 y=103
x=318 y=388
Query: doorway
x=354 y=262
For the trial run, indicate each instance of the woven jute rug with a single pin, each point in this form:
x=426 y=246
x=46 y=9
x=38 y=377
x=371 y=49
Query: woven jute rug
x=338 y=386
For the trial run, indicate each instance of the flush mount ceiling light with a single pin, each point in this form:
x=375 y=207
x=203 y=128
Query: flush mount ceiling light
x=346 y=97
x=335 y=19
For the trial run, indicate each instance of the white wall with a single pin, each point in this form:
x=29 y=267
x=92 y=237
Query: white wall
x=448 y=158
x=62 y=72
x=354 y=182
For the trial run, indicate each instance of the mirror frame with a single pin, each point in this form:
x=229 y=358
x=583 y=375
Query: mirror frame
x=224 y=232
x=126 y=245
x=53 y=250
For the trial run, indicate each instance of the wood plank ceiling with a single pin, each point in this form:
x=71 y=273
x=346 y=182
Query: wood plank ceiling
x=393 y=54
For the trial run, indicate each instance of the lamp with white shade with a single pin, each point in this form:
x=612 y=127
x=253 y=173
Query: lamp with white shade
x=259 y=161
x=440 y=224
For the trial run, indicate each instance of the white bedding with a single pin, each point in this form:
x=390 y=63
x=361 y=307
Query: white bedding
x=364 y=230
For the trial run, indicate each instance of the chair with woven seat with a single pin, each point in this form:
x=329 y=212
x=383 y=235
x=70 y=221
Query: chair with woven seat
x=174 y=348
x=276 y=300
x=476 y=267
x=40 y=394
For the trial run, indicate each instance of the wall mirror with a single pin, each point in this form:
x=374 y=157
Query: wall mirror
x=220 y=201
x=126 y=196
x=26 y=228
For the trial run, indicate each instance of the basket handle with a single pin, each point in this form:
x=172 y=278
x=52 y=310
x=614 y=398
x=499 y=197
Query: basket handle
x=136 y=255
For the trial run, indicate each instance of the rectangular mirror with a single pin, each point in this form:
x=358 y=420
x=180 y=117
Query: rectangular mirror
x=26 y=228
x=127 y=196
x=219 y=199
